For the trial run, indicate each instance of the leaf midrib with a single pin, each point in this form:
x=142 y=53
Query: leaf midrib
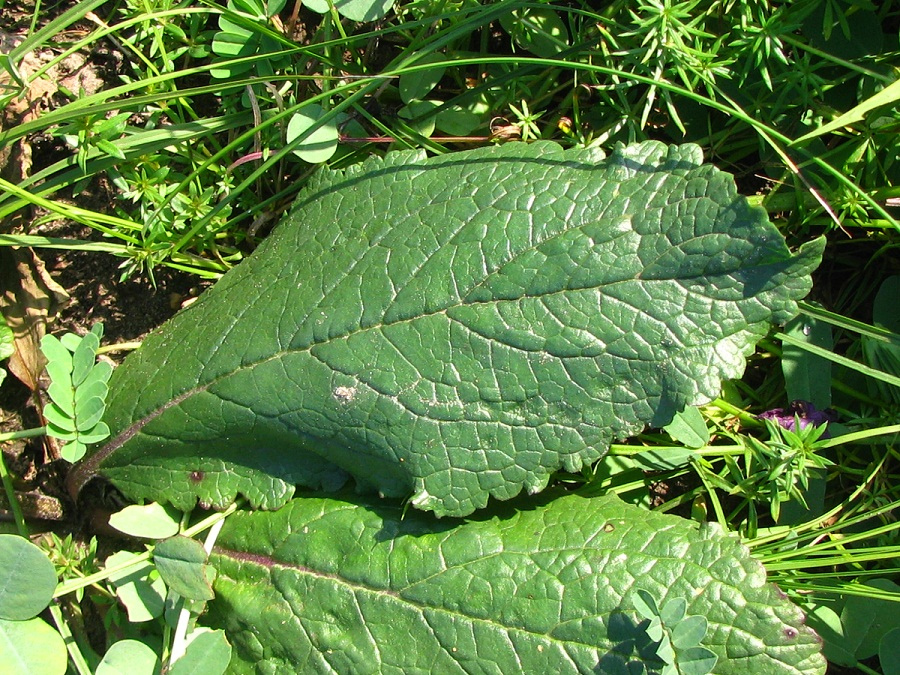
x=136 y=426
x=269 y=563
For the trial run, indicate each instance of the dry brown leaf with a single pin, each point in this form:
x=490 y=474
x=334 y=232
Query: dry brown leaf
x=15 y=158
x=75 y=73
x=29 y=298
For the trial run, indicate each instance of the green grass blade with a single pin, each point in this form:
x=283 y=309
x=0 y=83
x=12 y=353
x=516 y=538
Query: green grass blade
x=847 y=323
x=75 y=13
x=887 y=96
x=842 y=360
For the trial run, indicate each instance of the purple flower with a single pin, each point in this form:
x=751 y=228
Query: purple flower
x=804 y=410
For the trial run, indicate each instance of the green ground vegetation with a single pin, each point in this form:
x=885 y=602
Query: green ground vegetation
x=217 y=114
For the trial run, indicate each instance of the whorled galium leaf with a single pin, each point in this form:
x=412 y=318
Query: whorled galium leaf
x=454 y=328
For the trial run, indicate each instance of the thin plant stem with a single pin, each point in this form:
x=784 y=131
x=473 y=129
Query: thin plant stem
x=179 y=639
x=10 y=490
x=74 y=584
x=24 y=433
x=119 y=347
x=75 y=655
x=713 y=497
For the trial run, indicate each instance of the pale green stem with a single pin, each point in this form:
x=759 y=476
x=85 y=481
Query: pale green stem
x=75 y=654
x=179 y=640
x=713 y=497
x=24 y=433
x=119 y=347
x=620 y=450
x=11 y=497
x=102 y=575
x=860 y=435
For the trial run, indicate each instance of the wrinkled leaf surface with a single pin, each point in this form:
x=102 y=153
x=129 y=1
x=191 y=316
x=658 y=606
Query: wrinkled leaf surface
x=348 y=586
x=453 y=328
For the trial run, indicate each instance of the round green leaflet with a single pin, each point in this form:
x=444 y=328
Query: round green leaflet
x=28 y=578
x=355 y=10
x=31 y=647
x=128 y=657
x=322 y=140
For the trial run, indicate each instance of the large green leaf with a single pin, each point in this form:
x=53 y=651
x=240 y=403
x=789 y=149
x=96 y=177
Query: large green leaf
x=454 y=327
x=348 y=586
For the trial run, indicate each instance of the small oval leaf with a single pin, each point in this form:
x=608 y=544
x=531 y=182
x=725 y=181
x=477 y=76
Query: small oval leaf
x=208 y=653
x=540 y=30
x=56 y=417
x=7 y=340
x=689 y=427
x=689 y=632
x=55 y=431
x=83 y=358
x=889 y=652
x=144 y=599
x=128 y=657
x=698 y=661
x=416 y=85
x=74 y=450
x=101 y=372
x=235 y=43
x=645 y=604
x=138 y=570
x=91 y=389
x=321 y=142
x=141 y=592
x=31 y=647
x=98 y=433
x=457 y=121
x=181 y=562
x=673 y=611
x=420 y=115
x=61 y=393
x=27 y=579
x=88 y=412
x=70 y=341
x=355 y=10
x=59 y=359
x=150 y=521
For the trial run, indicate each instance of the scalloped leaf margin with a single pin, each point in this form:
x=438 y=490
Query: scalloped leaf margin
x=454 y=328
x=348 y=585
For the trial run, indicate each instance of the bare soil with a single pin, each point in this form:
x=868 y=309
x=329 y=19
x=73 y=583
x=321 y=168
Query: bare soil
x=128 y=309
